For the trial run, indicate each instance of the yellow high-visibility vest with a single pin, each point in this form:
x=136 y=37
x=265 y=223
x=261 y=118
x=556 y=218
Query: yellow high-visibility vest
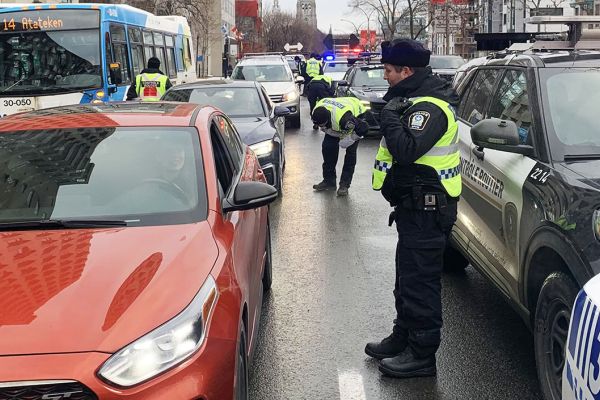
x=325 y=78
x=151 y=87
x=339 y=106
x=444 y=156
x=313 y=67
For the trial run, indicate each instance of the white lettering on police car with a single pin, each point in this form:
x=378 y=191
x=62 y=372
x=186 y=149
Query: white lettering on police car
x=582 y=372
x=481 y=177
x=539 y=175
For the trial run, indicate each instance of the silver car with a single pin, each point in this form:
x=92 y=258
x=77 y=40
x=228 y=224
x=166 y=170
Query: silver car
x=274 y=73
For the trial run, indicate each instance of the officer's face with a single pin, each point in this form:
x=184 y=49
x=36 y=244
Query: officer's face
x=394 y=74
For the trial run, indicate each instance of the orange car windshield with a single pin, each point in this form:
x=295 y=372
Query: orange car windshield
x=149 y=176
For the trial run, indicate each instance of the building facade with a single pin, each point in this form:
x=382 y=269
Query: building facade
x=307 y=11
x=220 y=38
x=248 y=17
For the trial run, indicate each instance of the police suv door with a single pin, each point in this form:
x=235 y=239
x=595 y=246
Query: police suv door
x=496 y=179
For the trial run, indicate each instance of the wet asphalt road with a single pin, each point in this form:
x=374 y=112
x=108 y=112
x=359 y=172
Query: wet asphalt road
x=332 y=292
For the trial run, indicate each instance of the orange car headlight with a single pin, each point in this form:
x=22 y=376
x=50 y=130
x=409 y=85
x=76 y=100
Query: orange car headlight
x=164 y=347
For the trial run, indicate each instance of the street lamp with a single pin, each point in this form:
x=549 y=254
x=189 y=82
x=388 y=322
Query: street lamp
x=368 y=15
x=356 y=28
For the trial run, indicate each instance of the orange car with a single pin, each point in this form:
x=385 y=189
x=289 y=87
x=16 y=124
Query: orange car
x=135 y=249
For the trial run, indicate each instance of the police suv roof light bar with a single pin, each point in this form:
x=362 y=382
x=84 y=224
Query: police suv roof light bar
x=263 y=54
x=578 y=38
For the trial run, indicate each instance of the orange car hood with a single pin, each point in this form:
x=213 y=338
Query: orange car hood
x=97 y=289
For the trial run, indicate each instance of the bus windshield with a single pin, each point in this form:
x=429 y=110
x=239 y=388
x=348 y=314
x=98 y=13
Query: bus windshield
x=49 y=51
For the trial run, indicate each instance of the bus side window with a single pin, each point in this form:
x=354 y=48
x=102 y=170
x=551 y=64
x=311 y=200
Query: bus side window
x=171 y=56
x=159 y=51
x=187 y=56
x=121 y=55
x=137 y=50
x=148 y=46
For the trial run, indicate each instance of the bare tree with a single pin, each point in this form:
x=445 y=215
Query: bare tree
x=280 y=28
x=391 y=13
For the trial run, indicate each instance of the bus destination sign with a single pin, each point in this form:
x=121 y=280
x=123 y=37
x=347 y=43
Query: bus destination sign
x=48 y=20
x=28 y=24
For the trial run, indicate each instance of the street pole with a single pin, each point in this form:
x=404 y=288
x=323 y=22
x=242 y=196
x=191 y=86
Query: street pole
x=447 y=6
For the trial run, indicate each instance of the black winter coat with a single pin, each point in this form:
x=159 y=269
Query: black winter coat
x=410 y=131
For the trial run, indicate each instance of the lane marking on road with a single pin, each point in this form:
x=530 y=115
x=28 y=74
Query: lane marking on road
x=351 y=385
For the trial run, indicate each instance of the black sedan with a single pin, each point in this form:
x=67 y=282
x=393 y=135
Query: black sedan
x=366 y=83
x=260 y=124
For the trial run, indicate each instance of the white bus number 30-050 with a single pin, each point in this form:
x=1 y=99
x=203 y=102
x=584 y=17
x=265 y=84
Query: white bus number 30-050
x=20 y=102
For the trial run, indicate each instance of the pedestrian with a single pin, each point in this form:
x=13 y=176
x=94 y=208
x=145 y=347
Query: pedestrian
x=342 y=120
x=150 y=84
x=417 y=171
x=320 y=87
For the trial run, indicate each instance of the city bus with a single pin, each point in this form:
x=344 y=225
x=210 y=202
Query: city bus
x=59 y=54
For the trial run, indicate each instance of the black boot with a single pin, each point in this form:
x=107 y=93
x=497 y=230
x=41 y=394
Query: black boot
x=389 y=347
x=324 y=185
x=406 y=365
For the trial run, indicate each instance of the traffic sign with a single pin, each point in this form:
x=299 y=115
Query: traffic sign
x=295 y=47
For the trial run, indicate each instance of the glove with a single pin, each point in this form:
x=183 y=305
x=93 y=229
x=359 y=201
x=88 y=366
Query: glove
x=349 y=140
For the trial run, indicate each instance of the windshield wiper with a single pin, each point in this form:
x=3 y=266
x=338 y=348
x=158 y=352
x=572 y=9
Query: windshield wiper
x=13 y=85
x=61 y=224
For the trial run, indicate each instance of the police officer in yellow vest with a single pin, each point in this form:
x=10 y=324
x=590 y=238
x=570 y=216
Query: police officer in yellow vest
x=417 y=171
x=312 y=68
x=342 y=120
x=150 y=84
x=320 y=87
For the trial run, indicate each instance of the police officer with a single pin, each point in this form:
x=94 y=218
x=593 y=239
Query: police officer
x=342 y=120
x=417 y=171
x=150 y=84
x=319 y=88
x=313 y=67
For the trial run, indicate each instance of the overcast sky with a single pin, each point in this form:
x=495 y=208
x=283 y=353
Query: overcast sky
x=329 y=12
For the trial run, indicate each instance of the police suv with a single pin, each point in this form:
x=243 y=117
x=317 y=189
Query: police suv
x=529 y=213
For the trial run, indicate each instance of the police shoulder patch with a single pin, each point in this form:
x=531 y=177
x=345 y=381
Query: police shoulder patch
x=418 y=120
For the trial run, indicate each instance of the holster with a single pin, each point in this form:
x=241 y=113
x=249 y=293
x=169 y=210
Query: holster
x=422 y=200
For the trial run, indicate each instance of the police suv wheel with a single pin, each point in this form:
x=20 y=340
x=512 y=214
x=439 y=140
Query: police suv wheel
x=551 y=326
x=454 y=261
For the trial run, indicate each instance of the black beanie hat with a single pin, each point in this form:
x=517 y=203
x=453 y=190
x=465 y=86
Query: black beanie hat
x=321 y=115
x=405 y=53
x=153 y=62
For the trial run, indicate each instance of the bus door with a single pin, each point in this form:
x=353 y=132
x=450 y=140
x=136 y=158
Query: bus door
x=119 y=67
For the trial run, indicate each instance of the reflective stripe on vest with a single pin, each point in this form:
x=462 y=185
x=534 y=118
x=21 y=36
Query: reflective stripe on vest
x=313 y=67
x=338 y=107
x=151 y=87
x=444 y=156
x=325 y=78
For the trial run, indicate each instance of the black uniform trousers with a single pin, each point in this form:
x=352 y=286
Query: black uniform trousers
x=331 y=150
x=422 y=237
